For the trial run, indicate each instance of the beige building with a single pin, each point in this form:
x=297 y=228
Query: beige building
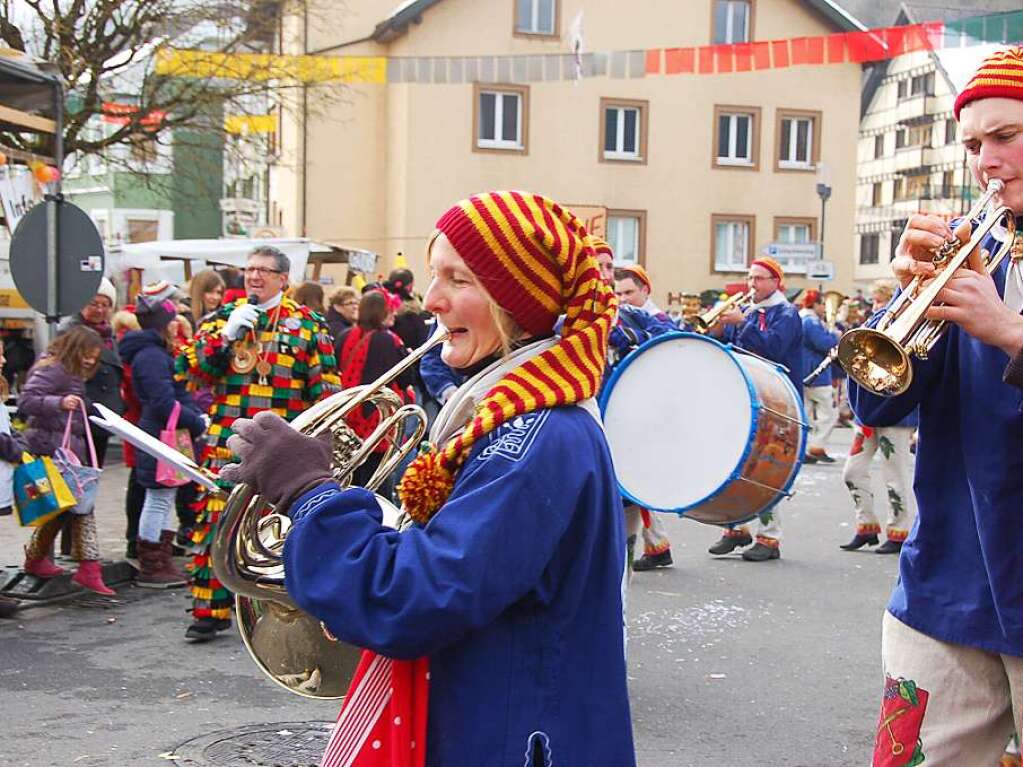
x=696 y=174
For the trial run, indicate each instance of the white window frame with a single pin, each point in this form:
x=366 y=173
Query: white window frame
x=785 y=231
x=732 y=228
x=784 y=162
x=730 y=19
x=499 y=143
x=534 y=29
x=619 y=152
x=614 y=239
x=731 y=158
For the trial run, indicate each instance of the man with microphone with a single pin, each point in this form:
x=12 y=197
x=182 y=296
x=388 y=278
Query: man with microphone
x=263 y=352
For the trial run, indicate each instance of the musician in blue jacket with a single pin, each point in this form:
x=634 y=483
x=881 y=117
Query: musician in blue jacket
x=508 y=585
x=772 y=329
x=952 y=636
x=818 y=394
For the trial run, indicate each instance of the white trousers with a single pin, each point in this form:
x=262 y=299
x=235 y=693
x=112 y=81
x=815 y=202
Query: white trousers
x=896 y=468
x=944 y=705
x=820 y=407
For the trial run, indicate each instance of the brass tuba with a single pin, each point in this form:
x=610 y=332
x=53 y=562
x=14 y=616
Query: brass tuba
x=879 y=358
x=290 y=646
x=703 y=323
x=832 y=303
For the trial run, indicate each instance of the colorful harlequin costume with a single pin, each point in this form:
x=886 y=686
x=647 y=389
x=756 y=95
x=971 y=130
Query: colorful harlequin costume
x=298 y=347
x=507 y=588
x=954 y=625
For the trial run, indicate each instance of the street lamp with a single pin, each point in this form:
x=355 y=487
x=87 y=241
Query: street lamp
x=824 y=192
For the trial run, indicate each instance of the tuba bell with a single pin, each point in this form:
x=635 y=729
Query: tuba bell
x=832 y=303
x=294 y=649
x=879 y=359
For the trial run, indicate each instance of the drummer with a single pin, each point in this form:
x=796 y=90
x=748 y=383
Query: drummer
x=632 y=287
x=771 y=329
x=508 y=584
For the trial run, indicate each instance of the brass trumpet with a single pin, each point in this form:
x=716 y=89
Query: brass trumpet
x=703 y=323
x=832 y=303
x=289 y=645
x=879 y=359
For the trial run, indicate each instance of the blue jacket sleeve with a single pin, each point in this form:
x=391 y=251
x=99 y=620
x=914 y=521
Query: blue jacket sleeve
x=778 y=335
x=874 y=410
x=153 y=380
x=817 y=337
x=410 y=594
x=436 y=375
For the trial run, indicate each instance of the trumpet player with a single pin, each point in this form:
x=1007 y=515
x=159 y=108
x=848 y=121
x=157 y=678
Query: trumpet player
x=772 y=329
x=952 y=636
x=501 y=607
x=818 y=394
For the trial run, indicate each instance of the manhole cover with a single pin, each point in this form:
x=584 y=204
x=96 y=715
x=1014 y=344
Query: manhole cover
x=278 y=744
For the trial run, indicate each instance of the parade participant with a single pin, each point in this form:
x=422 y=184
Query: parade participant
x=148 y=354
x=952 y=636
x=508 y=585
x=53 y=396
x=264 y=352
x=638 y=321
x=773 y=330
x=104 y=386
x=818 y=394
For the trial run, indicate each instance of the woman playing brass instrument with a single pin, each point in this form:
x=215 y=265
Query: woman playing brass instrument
x=507 y=588
x=952 y=638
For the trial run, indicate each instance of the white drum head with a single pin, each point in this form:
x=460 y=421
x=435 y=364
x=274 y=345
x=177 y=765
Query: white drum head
x=678 y=419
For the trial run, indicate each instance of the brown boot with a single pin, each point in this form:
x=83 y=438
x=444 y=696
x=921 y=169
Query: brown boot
x=167 y=552
x=154 y=574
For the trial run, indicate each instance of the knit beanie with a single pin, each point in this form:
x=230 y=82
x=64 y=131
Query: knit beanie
x=1000 y=75
x=159 y=291
x=106 y=288
x=811 y=298
x=599 y=245
x=531 y=256
x=639 y=273
x=154 y=314
x=770 y=265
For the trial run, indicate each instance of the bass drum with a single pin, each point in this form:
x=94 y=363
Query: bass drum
x=703 y=429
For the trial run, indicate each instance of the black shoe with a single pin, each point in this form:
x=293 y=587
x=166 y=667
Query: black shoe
x=809 y=459
x=859 y=541
x=729 y=543
x=889 y=547
x=223 y=624
x=761 y=553
x=204 y=629
x=183 y=538
x=649 y=562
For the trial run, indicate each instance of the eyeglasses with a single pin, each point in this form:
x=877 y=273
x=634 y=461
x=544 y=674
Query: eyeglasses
x=262 y=271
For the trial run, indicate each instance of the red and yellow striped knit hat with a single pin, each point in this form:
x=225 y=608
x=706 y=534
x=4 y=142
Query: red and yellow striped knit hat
x=999 y=76
x=531 y=256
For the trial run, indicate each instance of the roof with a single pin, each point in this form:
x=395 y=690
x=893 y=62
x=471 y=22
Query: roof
x=411 y=12
x=27 y=92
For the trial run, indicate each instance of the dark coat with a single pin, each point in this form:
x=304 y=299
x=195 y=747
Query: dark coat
x=39 y=405
x=152 y=375
x=336 y=324
x=105 y=386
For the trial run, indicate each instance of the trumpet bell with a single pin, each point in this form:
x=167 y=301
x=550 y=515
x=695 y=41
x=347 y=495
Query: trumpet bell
x=875 y=361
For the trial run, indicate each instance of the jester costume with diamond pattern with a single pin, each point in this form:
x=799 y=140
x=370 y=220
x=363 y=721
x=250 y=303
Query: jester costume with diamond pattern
x=303 y=371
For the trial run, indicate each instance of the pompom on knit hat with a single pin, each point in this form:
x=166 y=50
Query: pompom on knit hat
x=1000 y=75
x=531 y=256
x=159 y=291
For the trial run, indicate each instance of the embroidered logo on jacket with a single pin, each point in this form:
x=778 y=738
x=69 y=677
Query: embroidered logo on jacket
x=513 y=439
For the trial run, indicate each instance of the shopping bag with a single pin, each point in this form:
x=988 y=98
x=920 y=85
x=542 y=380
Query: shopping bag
x=40 y=493
x=180 y=440
x=82 y=480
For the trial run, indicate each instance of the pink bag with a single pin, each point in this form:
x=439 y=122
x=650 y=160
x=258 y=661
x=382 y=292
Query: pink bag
x=180 y=440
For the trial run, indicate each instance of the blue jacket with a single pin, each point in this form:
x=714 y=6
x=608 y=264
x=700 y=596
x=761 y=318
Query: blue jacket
x=818 y=341
x=513 y=590
x=152 y=375
x=436 y=375
x=780 y=340
x=961 y=569
x=635 y=327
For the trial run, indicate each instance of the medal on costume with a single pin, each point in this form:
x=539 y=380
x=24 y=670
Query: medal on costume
x=263 y=368
x=245 y=356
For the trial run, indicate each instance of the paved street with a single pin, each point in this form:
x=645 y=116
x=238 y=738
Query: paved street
x=730 y=662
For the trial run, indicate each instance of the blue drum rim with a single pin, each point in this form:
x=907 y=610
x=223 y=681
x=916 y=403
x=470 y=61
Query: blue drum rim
x=754 y=405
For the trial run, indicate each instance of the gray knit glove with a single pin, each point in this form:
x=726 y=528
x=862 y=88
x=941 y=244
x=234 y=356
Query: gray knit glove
x=278 y=461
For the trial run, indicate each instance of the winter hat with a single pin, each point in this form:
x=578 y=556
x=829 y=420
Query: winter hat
x=599 y=245
x=770 y=265
x=811 y=298
x=106 y=288
x=154 y=314
x=1000 y=75
x=159 y=291
x=639 y=273
x=531 y=257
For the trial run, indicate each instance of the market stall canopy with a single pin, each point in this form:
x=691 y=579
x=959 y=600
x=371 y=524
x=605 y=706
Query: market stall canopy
x=28 y=99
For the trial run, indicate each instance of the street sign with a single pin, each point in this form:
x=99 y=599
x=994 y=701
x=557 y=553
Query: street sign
x=792 y=251
x=821 y=271
x=80 y=258
x=17 y=195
